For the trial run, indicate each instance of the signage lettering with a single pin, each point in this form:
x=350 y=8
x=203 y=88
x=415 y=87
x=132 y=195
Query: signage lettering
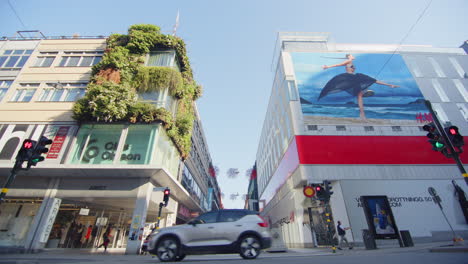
x=397 y=201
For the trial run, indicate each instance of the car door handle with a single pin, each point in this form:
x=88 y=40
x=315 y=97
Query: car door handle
x=238 y=225
x=210 y=227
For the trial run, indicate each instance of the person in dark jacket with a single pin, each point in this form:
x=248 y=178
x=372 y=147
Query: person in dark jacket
x=342 y=235
x=105 y=241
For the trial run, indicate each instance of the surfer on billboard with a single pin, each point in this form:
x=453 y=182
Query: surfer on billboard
x=356 y=84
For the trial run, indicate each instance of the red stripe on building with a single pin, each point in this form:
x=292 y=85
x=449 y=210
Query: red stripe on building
x=369 y=150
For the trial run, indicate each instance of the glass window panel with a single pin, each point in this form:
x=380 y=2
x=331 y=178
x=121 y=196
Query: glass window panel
x=2 y=60
x=96 y=60
x=48 y=61
x=45 y=94
x=73 y=61
x=18 y=52
x=57 y=94
x=39 y=61
x=63 y=61
x=208 y=218
x=101 y=146
x=138 y=144
x=8 y=52
x=160 y=59
x=22 y=61
x=16 y=96
x=28 y=95
x=74 y=94
x=86 y=61
x=28 y=52
x=12 y=61
x=2 y=93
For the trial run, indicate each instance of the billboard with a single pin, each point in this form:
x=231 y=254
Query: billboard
x=340 y=88
x=379 y=217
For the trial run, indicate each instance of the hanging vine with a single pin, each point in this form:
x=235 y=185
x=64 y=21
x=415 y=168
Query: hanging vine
x=112 y=95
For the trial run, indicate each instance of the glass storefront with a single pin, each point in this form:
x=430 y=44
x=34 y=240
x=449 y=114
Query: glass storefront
x=99 y=144
x=16 y=218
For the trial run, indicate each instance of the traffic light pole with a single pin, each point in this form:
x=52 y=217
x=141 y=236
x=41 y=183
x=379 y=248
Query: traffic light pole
x=9 y=181
x=159 y=215
x=441 y=130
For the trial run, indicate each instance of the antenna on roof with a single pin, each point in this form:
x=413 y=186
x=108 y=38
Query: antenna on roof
x=176 y=24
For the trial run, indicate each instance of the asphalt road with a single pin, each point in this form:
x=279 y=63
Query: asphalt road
x=373 y=257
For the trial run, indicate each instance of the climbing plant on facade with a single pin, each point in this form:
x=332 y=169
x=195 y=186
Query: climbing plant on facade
x=112 y=95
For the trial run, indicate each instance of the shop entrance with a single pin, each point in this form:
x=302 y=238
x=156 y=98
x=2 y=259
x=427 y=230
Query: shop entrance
x=80 y=225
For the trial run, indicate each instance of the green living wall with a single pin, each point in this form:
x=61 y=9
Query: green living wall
x=116 y=80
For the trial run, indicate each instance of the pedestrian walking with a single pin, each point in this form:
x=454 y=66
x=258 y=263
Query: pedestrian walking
x=105 y=241
x=342 y=235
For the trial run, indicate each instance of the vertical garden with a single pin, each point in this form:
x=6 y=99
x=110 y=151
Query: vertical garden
x=112 y=94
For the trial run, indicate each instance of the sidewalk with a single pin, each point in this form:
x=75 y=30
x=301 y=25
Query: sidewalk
x=292 y=252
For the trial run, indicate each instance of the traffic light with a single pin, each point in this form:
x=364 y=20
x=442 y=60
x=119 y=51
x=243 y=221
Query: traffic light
x=320 y=192
x=454 y=136
x=26 y=151
x=436 y=140
x=38 y=151
x=328 y=188
x=167 y=192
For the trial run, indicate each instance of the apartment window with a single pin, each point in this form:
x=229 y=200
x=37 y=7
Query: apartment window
x=25 y=92
x=458 y=67
x=396 y=128
x=4 y=85
x=14 y=58
x=162 y=58
x=81 y=58
x=66 y=92
x=312 y=127
x=368 y=128
x=438 y=88
x=45 y=59
x=461 y=88
x=292 y=91
x=437 y=68
x=463 y=110
x=340 y=128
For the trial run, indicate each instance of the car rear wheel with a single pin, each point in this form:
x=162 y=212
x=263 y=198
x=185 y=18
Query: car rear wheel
x=167 y=249
x=249 y=247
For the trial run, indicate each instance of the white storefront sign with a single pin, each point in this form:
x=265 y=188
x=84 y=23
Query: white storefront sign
x=50 y=219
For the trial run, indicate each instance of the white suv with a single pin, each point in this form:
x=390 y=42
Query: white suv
x=216 y=232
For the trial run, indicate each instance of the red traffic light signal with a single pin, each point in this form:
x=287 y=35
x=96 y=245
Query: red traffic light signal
x=167 y=192
x=28 y=144
x=39 y=149
x=454 y=136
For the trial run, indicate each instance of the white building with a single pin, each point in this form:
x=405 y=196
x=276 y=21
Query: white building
x=82 y=189
x=314 y=130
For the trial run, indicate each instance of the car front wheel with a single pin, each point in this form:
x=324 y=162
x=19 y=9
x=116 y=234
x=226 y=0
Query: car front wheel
x=249 y=247
x=167 y=249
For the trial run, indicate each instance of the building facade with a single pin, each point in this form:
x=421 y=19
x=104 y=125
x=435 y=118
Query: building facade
x=97 y=176
x=352 y=114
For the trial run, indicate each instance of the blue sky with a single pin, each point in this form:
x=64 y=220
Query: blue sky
x=231 y=44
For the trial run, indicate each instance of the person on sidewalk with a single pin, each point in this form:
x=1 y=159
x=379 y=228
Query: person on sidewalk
x=342 y=234
x=106 y=240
